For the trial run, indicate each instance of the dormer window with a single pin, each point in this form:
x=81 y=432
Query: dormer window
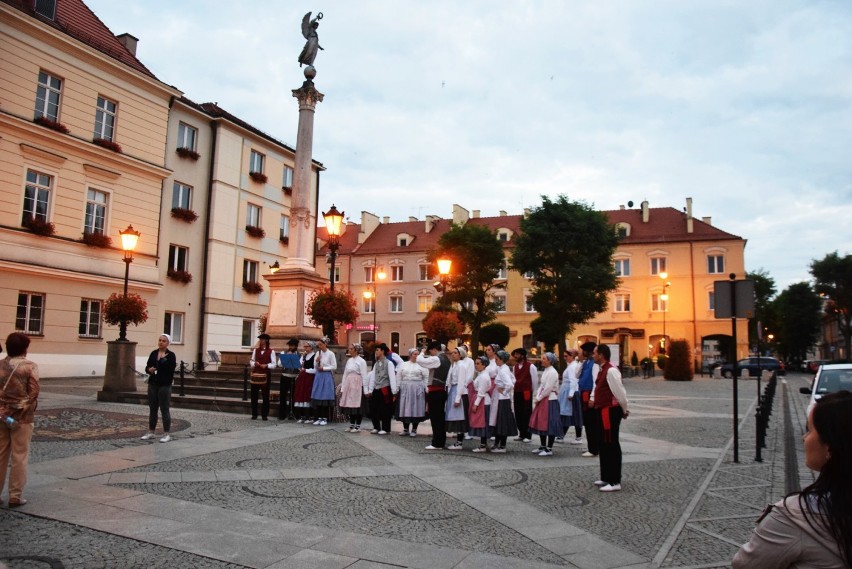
x=622 y=230
x=403 y=242
x=46 y=8
x=504 y=234
x=403 y=239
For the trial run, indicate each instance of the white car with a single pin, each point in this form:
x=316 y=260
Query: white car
x=829 y=378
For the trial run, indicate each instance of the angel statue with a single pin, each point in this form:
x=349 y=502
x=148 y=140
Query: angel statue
x=309 y=30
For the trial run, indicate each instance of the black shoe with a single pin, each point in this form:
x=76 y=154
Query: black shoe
x=265 y=419
x=254 y=418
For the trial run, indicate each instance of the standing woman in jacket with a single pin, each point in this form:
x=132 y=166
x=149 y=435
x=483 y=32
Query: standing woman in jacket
x=545 y=420
x=161 y=374
x=322 y=393
x=18 y=399
x=812 y=528
x=352 y=400
x=502 y=417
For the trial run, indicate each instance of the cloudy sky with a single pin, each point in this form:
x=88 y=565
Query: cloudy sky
x=744 y=106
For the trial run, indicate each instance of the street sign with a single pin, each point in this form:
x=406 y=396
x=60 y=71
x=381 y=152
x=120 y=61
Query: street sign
x=743 y=295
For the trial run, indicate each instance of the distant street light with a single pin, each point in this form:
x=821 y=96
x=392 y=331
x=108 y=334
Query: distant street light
x=665 y=307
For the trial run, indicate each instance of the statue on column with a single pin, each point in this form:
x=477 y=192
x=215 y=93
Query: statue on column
x=309 y=30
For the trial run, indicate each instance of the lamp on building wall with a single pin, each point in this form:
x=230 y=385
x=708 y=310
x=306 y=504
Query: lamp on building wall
x=274 y=267
x=333 y=224
x=665 y=299
x=129 y=239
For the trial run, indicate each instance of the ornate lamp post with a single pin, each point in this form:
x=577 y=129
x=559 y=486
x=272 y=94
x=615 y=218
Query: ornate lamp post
x=444 y=266
x=129 y=239
x=665 y=306
x=333 y=224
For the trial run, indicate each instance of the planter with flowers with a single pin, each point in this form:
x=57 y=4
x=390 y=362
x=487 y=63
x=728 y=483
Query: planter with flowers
x=188 y=153
x=54 y=125
x=132 y=309
x=326 y=306
x=184 y=214
x=256 y=232
x=253 y=287
x=284 y=240
x=258 y=177
x=108 y=144
x=96 y=240
x=39 y=226
x=288 y=190
x=180 y=276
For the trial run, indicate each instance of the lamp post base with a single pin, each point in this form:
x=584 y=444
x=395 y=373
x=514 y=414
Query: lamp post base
x=120 y=372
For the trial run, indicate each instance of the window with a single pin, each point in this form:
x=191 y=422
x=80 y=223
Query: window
x=528 y=303
x=178 y=257
x=622 y=230
x=425 y=272
x=46 y=8
x=499 y=302
x=173 y=326
x=396 y=304
x=47 y=96
x=36 y=196
x=503 y=236
x=369 y=305
x=284 y=229
x=249 y=271
x=715 y=264
x=529 y=275
x=369 y=274
x=622 y=267
x=29 y=318
x=711 y=300
x=90 y=318
x=105 y=119
x=397 y=273
x=248 y=333
x=187 y=136
x=181 y=196
x=503 y=273
x=336 y=273
x=424 y=303
x=288 y=177
x=658 y=265
x=253 y=215
x=96 y=205
x=622 y=302
x=403 y=242
x=256 y=162
x=658 y=304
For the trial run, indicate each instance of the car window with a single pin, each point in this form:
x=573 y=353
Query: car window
x=833 y=380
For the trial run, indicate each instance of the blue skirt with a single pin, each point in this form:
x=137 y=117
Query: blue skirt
x=322 y=392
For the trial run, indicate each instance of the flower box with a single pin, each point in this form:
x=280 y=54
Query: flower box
x=96 y=240
x=257 y=232
x=252 y=287
x=39 y=227
x=288 y=190
x=55 y=125
x=183 y=214
x=184 y=277
x=188 y=153
x=258 y=177
x=284 y=240
x=108 y=144
x=131 y=308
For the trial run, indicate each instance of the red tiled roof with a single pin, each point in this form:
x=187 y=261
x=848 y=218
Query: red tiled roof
x=665 y=224
x=75 y=19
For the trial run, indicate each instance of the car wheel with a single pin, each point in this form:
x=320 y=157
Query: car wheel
x=728 y=374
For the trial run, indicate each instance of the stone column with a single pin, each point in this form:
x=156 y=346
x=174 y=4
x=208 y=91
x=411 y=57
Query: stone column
x=120 y=374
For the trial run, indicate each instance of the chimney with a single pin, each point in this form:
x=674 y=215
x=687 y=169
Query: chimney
x=460 y=214
x=621 y=207
x=708 y=220
x=386 y=219
x=430 y=222
x=129 y=42
x=369 y=223
x=475 y=213
x=503 y=213
x=646 y=213
x=527 y=212
x=689 y=225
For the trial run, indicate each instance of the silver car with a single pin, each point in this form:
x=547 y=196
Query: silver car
x=829 y=378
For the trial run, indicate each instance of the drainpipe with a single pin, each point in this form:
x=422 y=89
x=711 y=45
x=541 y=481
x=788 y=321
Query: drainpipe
x=202 y=305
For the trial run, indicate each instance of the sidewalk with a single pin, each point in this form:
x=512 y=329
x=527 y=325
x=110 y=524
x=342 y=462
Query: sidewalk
x=231 y=492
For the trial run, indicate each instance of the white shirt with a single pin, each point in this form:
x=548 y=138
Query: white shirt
x=325 y=361
x=506 y=380
x=356 y=365
x=572 y=376
x=371 y=379
x=482 y=383
x=271 y=364
x=549 y=385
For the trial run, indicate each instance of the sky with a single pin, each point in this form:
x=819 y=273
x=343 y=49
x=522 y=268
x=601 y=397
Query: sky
x=746 y=107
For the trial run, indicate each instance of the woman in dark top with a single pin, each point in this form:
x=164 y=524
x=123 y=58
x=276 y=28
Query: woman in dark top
x=161 y=373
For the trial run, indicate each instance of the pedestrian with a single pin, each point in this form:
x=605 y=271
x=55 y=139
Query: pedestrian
x=545 y=421
x=502 y=419
x=570 y=401
x=813 y=527
x=352 y=400
x=322 y=392
x=161 y=374
x=412 y=379
x=383 y=387
x=526 y=384
x=610 y=404
x=438 y=365
x=454 y=408
x=480 y=405
x=18 y=401
x=305 y=384
x=588 y=372
x=262 y=362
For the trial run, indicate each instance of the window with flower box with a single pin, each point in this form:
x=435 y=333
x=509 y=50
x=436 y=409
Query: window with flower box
x=48 y=95
x=90 y=318
x=105 y=119
x=29 y=317
x=181 y=196
x=284 y=229
x=96 y=210
x=187 y=137
x=37 y=196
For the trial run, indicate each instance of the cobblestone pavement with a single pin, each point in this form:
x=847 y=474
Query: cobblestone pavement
x=231 y=492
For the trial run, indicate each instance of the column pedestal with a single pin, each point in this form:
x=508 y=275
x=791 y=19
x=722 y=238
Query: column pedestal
x=120 y=374
x=290 y=290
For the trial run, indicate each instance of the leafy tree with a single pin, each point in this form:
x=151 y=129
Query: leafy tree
x=494 y=333
x=833 y=276
x=477 y=258
x=679 y=364
x=566 y=246
x=800 y=326
x=764 y=293
x=442 y=324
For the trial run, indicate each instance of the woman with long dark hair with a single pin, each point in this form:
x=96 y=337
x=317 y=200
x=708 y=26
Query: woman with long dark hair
x=812 y=528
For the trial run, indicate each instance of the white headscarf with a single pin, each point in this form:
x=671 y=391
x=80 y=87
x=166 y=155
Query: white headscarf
x=167 y=337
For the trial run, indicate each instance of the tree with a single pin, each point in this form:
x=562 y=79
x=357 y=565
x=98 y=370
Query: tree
x=477 y=258
x=442 y=324
x=800 y=325
x=494 y=333
x=678 y=366
x=566 y=247
x=833 y=276
x=764 y=292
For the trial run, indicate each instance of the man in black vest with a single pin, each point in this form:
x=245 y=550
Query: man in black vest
x=438 y=365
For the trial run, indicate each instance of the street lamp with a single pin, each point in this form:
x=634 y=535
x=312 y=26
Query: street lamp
x=444 y=266
x=274 y=267
x=129 y=239
x=665 y=299
x=333 y=225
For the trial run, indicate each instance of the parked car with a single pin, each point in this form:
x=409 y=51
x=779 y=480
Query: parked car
x=813 y=365
x=748 y=366
x=829 y=379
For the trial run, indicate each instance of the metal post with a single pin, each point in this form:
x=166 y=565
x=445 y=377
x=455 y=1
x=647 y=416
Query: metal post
x=735 y=367
x=245 y=382
x=182 y=370
x=122 y=329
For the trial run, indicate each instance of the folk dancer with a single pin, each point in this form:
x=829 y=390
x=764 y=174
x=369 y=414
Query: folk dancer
x=351 y=389
x=545 y=420
x=412 y=394
x=438 y=365
x=262 y=363
x=610 y=401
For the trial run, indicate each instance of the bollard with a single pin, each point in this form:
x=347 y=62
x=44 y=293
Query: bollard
x=245 y=383
x=182 y=370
